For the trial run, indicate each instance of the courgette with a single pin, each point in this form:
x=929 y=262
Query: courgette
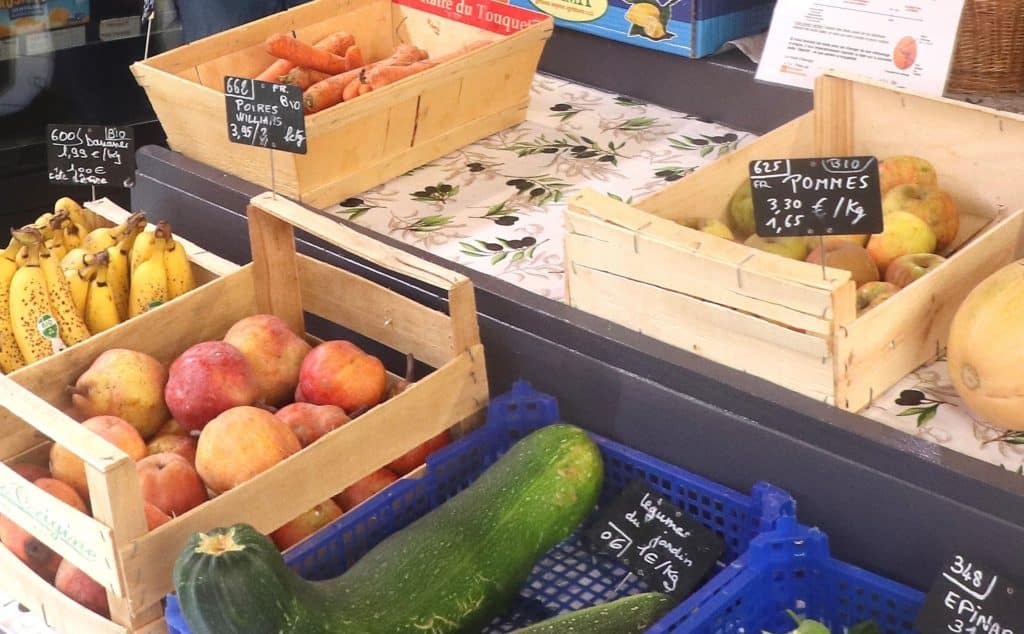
x=453 y=570
x=630 y=614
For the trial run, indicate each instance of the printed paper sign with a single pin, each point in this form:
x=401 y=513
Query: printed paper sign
x=906 y=43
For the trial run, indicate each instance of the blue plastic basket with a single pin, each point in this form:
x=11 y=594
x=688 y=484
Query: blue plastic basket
x=569 y=577
x=791 y=568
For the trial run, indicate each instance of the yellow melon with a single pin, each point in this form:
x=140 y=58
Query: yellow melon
x=986 y=348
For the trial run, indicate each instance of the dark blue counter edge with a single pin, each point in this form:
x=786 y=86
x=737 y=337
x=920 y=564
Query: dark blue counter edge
x=891 y=503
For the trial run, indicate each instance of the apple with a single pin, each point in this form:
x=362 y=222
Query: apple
x=275 y=353
x=874 y=293
x=81 y=588
x=741 y=209
x=154 y=516
x=184 y=446
x=930 y=204
x=69 y=468
x=850 y=257
x=208 y=379
x=240 y=444
x=170 y=483
x=418 y=455
x=31 y=472
x=312 y=422
x=905 y=170
x=340 y=373
x=907 y=268
x=813 y=242
x=903 y=233
x=364 y=489
x=716 y=228
x=306 y=524
x=172 y=428
x=794 y=248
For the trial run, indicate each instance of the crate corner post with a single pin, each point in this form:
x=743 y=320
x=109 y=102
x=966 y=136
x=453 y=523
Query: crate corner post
x=275 y=266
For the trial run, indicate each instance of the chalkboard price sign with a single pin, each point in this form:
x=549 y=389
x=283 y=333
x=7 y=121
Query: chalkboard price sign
x=816 y=196
x=655 y=539
x=265 y=114
x=90 y=155
x=972 y=598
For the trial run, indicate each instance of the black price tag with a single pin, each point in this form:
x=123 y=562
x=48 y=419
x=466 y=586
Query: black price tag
x=148 y=9
x=816 y=196
x=90 y=155
x=972 y=598
x=655 y=539
x=265 y=114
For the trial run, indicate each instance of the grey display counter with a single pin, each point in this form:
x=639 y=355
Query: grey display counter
x=891 y=503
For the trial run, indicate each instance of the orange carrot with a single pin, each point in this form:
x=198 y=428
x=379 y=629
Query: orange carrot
x=303 y=77
x=337 y=43
x=381 y=76
x=329 y=92
x=353 y=57
x=302 y=54
x=276 y=70
x=351 y=90
x=365 y=88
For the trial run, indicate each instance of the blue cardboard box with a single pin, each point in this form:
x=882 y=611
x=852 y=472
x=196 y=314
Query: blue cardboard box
x=691 y=28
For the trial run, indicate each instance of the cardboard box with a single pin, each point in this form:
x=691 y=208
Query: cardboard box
x=18 y=17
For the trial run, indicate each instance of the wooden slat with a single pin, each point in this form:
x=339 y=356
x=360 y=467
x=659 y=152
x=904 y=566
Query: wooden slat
x=706 y=192
x=371 y=310
x=367 y=443
x=77 y=537
x=275 y=270
x=896 y=337
x=58 y=611
x=356 y=243
x=462 y=308
x=797 y=361
x=833 y=117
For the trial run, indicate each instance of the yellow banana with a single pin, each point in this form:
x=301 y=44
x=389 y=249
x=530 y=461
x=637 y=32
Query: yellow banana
x=142 y=248
x=74 y=233
x=179 y=269
x=72 y=327
x=73 y=260
x=149 y=280
x=106 y=237
x=55 y=245
x=74 y=211
x=100 y=309
x=32 y=318
x=43 y=220
x=118 y=277
x=78 y=280
x=10 y=354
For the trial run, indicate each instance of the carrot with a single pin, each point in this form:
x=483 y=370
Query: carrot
x=302 y=54
x=364 y=88
x=329 y=92
x=381 y=76
x=353 y=57
x=303 y=77
x=276 y=70
x=337 y=43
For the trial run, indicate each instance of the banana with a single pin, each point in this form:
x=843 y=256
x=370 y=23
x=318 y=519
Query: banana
x=55 y=245
x=73 y=260
x=118 y=277
x=179 y=269
x=142 y=248
x=72 y=327
x=106 y=237
x=10 y=354
x=32 y=318
x=74 y=211
x=149 y=280
x=100 y=309
x=74 y=233
x=78 y=281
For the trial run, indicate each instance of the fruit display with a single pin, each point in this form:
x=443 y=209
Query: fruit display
x=62 y=280
x=986 y=348
x=460 y=565
x=920 y=220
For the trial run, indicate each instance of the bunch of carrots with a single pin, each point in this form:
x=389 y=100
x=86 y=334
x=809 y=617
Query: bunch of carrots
x=333 y=70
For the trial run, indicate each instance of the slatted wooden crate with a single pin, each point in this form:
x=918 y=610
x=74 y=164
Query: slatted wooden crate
x=113 y=546
x=777 y=318
x=359 y=144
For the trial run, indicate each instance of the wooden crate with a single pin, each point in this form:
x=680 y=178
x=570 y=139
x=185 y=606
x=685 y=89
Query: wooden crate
x=113 y=546
x=359 y=144
x=777 y=318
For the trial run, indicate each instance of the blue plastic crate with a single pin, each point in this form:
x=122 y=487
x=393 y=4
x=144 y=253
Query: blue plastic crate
x=569 y=577
x=791 y=568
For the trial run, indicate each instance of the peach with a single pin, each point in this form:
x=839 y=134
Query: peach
x=903 y=233
x=81 y=588
x=364 y=489
x=31 y=472
x=905 y=269
x=930 y=204
x=63 y=492
x=154 y=516
x=241 y=443
x=418 y=455
x=340 y=373
x=850 y=257
x=905 y=170
x=794 y=248
x=312 y=422
x=126 y=384
x=874 y=293
x=207 y=379
x=69 y=468
x=184 y=446
x=273 y=351
x=37 y=555
x=170 y=483
x=306 y=524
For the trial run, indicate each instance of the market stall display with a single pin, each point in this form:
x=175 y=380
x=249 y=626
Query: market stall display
x=407 y=119
x=784 y=320
x=113 y=547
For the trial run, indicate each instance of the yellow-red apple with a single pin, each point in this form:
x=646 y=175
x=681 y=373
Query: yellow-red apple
x=170 y=483
x=306 y=524
x=364 y=489
x=930 y=204
x=904 y=233
x=792 y=247
x=275 y=353
x=418 y=455
x=905 y=269
x=184 y=446
x=312 y=422
x=874 y=293
x=905 y=170
x=241 y=443
x=207 y=379
x=340 y=373
x=69 y=468
x=849 y=257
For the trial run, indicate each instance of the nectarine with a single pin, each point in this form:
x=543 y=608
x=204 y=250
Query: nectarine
x=170 y=483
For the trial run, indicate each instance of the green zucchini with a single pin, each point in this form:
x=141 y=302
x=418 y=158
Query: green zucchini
x=623 y=616
x=453 y=570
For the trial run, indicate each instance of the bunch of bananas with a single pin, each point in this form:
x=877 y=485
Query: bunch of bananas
x=62 y=280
